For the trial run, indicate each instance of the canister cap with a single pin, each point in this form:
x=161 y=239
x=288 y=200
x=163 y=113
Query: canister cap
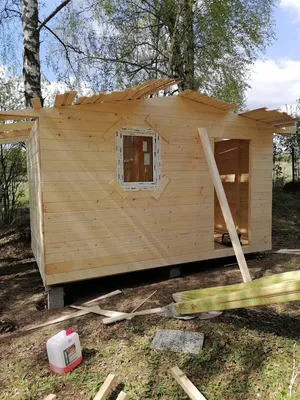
x=68 y=332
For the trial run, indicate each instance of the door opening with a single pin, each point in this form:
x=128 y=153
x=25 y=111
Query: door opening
x=232 y=158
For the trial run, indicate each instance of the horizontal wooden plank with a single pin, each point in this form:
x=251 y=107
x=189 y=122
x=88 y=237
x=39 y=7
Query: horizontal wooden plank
x=82 y=165
x=113 y=255
x=141 y=238
x=201 y=210
x=80 y=192
x=151 y=224
x=78 y=155
x=200 y=177
x=72 y=271
x=126 y=203
x=117 y=231
x=46 y=144
x=18 y=126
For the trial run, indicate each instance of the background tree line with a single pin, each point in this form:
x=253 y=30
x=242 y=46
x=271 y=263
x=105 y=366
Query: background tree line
x=100 y=45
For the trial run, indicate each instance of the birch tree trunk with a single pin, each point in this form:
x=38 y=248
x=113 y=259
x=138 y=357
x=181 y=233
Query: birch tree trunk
x=189 y=45
x=31 y=51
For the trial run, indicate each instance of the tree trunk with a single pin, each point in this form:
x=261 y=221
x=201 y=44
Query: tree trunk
x=31 y=51
x=180 y=22
x=189 y=45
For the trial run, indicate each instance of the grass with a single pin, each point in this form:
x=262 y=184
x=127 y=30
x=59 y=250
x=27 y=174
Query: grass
x=247 y=354
x=235 y=363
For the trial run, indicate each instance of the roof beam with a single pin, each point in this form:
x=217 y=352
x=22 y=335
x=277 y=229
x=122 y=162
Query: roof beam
x=14 y=136
x=36 y=103
x=70 y=98
x=19 y=114
x=254 y=111
x=59 y=99
x=16 y=126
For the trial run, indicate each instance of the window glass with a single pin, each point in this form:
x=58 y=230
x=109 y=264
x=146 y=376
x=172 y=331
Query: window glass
x=138 y=158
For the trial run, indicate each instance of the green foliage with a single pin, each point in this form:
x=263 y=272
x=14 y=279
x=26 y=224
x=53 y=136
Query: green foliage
x=12 y=177
x=210 y=45
x=12 y=156
x=285 y=146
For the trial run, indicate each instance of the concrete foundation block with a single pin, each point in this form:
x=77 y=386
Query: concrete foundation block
x=174 y=272
x=55 y=297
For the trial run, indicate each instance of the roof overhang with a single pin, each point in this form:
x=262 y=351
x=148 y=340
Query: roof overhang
x=273 y=120
x=283 y=123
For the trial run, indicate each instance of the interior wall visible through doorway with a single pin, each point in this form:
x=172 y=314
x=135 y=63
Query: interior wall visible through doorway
x=232 y=158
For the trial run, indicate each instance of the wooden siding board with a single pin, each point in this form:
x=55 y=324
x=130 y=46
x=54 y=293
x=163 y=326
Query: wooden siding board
x=80 y=206
x=35 y=199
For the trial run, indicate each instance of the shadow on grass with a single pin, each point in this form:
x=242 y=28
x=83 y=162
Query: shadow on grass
x=264 y=320
x=216 y=368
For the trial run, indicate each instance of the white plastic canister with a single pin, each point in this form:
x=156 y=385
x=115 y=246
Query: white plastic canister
x=64 y=351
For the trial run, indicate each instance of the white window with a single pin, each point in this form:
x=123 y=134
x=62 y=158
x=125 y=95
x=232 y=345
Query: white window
x=138 y=158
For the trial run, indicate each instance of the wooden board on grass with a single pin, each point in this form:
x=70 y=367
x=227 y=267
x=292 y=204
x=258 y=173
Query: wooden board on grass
x=219 y=290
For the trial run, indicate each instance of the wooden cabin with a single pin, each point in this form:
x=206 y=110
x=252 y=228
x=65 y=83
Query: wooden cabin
x=119 y=181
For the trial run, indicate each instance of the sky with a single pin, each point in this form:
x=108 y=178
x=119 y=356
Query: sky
x=275 y=80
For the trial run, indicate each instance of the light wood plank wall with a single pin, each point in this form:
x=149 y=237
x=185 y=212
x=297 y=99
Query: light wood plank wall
x=35 y=198
x=91 y=231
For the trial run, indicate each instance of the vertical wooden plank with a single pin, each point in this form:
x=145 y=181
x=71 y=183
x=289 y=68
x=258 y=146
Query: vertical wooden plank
x=224 y=204
x=128 y=158
x=238 y=186
x=36 y=103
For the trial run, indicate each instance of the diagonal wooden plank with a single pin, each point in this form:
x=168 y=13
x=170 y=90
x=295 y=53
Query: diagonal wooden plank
x=104 y=296
x=50 y=397
x=117 y=188
x=122 y=396
x=100 y=311
x=80 y=100
x=224 y=204
x=113 y=129
x=189 y=388
x=158 y=191
x=59 y=99
x=61 y=319
x=206 y=305
x=151 y=89
x=160 y=86
x=109 y=384
x=70 y=98
x=156 y=127
x=111 y=320
x=218 y=290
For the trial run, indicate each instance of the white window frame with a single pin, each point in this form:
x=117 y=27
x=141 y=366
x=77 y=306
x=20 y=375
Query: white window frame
x=135 y=186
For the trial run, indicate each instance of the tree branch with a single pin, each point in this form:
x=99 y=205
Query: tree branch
x=50 y=16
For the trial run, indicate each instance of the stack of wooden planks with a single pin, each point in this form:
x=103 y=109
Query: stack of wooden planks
x=279 y=288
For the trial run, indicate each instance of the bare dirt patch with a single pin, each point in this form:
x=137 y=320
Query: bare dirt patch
x=247 y=354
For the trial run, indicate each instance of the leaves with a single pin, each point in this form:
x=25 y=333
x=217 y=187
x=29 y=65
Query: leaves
x=209 y=44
